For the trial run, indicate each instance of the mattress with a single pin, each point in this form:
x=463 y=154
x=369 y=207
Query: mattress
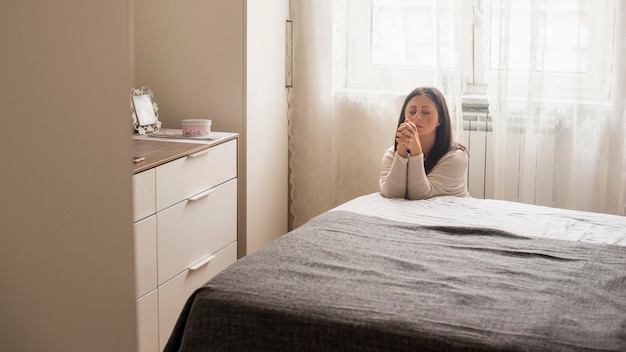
x=376 y=274
x=514 y=217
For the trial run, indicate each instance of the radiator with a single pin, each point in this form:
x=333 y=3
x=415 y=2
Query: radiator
x=478 y=138
x=528 y=174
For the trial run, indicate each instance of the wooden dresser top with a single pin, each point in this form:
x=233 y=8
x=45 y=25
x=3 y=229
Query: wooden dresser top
x=160 y=151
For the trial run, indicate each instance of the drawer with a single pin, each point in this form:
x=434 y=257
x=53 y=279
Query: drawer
x=174 y=294
x=145 y=234
x=144 y=194
x=193 y=229
x=148 y=323
x=184 y=177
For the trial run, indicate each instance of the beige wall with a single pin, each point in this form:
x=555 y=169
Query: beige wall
x=192 y=55
x=66 y=243
x=224 y=60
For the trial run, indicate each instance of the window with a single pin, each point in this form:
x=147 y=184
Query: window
x=392 y=44
x=565 y=41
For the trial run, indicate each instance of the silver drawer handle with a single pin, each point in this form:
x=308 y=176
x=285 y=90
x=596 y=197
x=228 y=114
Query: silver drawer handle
x=202 y=195
x=200 y=153
x=202 y=263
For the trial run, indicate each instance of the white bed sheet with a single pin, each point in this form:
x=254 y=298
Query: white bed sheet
x=518 y=218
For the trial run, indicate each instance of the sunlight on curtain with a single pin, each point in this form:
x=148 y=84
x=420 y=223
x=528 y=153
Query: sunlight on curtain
x=555 y=72
x=354 y=64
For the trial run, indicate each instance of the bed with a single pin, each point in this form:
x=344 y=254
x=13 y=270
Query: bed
x=448 y=273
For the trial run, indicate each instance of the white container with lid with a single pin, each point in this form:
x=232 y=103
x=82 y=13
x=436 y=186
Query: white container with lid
x=196 y=127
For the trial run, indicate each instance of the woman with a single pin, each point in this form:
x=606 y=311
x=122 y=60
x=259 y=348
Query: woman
x=425 y=161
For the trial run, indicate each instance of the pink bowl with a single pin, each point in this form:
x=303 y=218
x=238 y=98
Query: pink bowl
x=196 y=127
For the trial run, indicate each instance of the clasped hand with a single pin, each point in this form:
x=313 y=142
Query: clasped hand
x=408 y=139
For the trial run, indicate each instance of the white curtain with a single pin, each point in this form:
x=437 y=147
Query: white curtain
x=559 y=124
x=557 y=98
x=339 y=124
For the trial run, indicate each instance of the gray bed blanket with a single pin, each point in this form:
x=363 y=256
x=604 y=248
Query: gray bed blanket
x=350 y=282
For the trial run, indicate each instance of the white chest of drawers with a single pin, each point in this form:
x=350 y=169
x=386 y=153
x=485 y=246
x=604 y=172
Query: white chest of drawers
x=185 y=227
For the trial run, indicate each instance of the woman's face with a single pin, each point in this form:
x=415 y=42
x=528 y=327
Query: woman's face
x=422 y=111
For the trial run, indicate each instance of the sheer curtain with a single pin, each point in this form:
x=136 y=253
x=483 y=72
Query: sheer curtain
x=556 y=90
x=556 y=77
x=344 y=104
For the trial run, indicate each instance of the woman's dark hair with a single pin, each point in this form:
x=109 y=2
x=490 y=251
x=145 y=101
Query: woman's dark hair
x=443 y=134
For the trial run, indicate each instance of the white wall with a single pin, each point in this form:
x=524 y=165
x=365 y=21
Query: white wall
x=66 y=249
x=266 y=113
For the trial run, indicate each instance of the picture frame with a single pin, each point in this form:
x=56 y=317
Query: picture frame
x=144 y=111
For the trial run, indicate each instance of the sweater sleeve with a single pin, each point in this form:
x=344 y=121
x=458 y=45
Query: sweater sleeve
x=392 y=180
x=406 y=177
x=448 y=177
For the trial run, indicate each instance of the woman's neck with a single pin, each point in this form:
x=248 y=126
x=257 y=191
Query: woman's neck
x=427 y=142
